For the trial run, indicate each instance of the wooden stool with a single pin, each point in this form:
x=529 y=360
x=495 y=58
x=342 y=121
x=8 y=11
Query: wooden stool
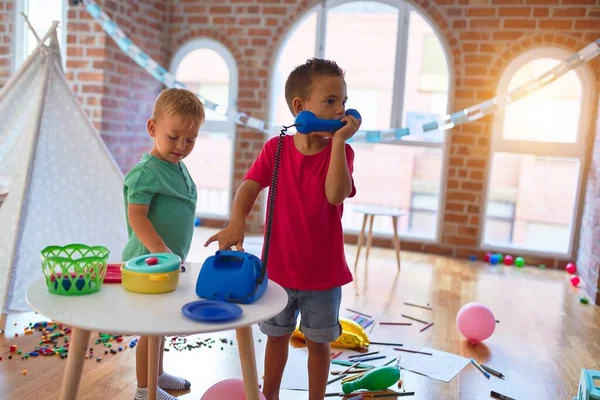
x=371 y=212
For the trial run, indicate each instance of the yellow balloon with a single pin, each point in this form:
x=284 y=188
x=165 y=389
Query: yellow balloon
x=353 y=335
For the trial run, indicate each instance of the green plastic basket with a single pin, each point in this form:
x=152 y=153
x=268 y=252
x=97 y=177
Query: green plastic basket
x=75 y=269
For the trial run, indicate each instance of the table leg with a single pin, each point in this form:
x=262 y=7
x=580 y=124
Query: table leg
x=396 y=239
x=72 y=375
x=153 y=348
x=248 y=361
x=370 y=237
x=361 y=239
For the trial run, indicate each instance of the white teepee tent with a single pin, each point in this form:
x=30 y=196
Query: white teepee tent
x=63 y=185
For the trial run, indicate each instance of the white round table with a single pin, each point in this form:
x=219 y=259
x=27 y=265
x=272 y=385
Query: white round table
x=117 y=311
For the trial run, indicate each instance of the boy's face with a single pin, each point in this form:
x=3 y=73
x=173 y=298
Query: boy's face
x=174 y=138
x=327 y=99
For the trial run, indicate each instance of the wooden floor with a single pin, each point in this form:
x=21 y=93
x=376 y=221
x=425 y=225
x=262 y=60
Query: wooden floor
x=543 y=340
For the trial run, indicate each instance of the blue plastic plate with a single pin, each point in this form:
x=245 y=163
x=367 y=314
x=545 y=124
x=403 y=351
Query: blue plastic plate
x=211 y=311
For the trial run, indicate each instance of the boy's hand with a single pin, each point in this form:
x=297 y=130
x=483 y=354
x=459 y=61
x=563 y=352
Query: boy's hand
x=230 y=236
x=348 y=130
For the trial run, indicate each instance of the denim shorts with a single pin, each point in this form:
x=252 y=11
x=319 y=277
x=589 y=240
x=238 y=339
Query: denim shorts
x=319 y=310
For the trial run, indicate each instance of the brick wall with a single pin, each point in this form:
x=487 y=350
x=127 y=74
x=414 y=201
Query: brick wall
x=588 y=260
x=115 y=92
x=7 y=28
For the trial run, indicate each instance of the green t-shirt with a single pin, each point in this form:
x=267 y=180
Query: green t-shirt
x=171 y=193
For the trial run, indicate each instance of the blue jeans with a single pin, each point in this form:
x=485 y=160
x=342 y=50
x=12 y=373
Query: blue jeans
x=319 y=309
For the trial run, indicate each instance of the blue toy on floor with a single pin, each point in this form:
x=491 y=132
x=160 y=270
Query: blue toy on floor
x=589 y=385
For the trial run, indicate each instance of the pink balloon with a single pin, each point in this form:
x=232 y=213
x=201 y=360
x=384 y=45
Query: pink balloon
x=476 y=322
x=230 y=389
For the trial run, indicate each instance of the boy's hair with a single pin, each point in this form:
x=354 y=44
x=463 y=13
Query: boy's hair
x=181 y=102
x=299 y=82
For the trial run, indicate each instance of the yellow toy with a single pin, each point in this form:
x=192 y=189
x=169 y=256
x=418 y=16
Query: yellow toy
x=151 y=273
x=353 y=335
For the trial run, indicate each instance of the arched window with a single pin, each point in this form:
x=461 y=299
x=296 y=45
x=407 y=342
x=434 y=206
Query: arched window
x=398 y=76
x=207 y=68
x=41 y=15
x=537 y=152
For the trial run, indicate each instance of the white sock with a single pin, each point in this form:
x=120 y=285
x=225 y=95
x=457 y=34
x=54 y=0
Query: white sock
x=170 y=382
x=142 y=394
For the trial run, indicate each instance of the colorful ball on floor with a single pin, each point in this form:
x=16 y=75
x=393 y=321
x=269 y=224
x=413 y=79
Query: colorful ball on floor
x=487 y=257
x=519 y=262
x=500 y=258
x=508 y=260
x=494 y=259
x=571 y=268
x=231 y=389
x=575 y=281
x=476 y=322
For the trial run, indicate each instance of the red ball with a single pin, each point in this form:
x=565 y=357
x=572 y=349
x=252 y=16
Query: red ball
x=151 y=260
x=508 y=260
x=575 y=281
x=571 y=268
x=487 y=257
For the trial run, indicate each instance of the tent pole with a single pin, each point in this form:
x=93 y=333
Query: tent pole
x=13 y=79
x=31 y=28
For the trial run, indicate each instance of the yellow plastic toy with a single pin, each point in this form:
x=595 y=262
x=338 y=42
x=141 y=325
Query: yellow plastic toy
x=151 y=274
x=353 y=335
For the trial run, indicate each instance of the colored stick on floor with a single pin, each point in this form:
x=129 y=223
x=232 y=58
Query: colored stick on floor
x=416 y=305
x=415 y=319
x=427 y=327
x=414 y=351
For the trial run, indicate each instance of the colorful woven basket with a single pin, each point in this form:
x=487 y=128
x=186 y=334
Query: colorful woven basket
x=75 y=269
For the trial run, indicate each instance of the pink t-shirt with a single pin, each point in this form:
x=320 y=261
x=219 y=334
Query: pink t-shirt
x=307 y=240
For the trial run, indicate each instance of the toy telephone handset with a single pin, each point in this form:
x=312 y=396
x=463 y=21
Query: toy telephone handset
x=307 y=122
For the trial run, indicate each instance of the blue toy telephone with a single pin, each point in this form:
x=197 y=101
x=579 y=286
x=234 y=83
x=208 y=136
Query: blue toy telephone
x=240 y=277
x=307 y=122
x=231 y=276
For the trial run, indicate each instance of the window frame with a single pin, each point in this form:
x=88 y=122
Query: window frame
x=510 y=219
x=412 y=209
x=404 y=8
x=577 y=150
x=227 y=127
x=21 y=31
x=206 y=43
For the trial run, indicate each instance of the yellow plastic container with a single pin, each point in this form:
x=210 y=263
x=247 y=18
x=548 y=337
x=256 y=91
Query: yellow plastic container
x=151 y=274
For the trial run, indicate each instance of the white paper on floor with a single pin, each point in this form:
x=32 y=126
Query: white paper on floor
x=441 y=365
